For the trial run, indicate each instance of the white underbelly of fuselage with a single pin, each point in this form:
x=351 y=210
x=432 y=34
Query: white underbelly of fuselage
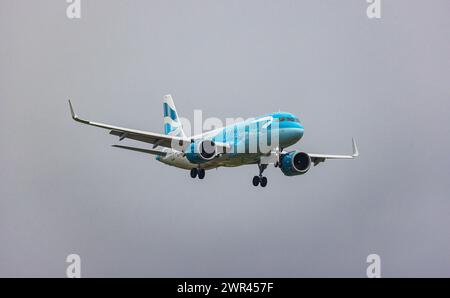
x=177 y=159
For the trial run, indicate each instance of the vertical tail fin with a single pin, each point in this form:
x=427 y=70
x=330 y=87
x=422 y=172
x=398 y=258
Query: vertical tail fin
x=172 y=124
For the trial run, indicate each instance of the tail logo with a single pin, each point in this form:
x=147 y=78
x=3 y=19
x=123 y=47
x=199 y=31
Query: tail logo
x=172 y=124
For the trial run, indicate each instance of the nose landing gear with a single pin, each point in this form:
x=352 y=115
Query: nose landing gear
x=260 y=180
x=198 y=172
x=263 y=181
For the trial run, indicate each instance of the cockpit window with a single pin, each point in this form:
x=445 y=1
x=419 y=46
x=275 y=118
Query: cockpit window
x=289 y=119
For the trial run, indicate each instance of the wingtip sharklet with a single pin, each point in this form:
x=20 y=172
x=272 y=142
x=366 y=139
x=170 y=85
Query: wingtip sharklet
x=355 y=148
x=72 y=112
x=75 y=116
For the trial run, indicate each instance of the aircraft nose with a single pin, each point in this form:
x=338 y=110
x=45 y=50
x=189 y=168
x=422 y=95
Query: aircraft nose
x=300 y=132
x=291 y=135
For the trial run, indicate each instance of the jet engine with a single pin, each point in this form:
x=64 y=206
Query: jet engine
x=201 y=151
x=295 y=163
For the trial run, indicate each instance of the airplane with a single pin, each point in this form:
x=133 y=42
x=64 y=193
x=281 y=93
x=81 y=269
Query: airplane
x=230 y=146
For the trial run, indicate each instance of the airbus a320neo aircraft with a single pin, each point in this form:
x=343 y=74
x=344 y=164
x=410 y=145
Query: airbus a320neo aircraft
x=260 y=141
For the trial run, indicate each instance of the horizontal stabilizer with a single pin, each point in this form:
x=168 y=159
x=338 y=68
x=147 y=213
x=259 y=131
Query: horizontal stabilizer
x=148 y=151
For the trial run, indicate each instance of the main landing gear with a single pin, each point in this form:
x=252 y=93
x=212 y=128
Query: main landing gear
x=198 y=172
x=260 y=180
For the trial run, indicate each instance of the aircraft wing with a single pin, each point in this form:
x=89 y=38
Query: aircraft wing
x=126 y=133
x=318 y=158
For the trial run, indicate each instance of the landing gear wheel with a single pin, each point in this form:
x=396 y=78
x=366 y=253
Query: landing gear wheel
x=201 y=173
x=194 y=173
x=263 y=181
x=260 y=179
x=255 y=181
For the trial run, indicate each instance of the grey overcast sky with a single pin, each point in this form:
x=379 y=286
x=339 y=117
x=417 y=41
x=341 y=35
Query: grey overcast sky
x=64 y=190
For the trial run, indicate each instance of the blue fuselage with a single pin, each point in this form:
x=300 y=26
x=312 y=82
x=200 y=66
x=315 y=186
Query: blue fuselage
x=246 y=141
x=277 y=130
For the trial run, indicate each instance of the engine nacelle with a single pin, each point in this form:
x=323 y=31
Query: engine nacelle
x=202 y=151
x=295 y=163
